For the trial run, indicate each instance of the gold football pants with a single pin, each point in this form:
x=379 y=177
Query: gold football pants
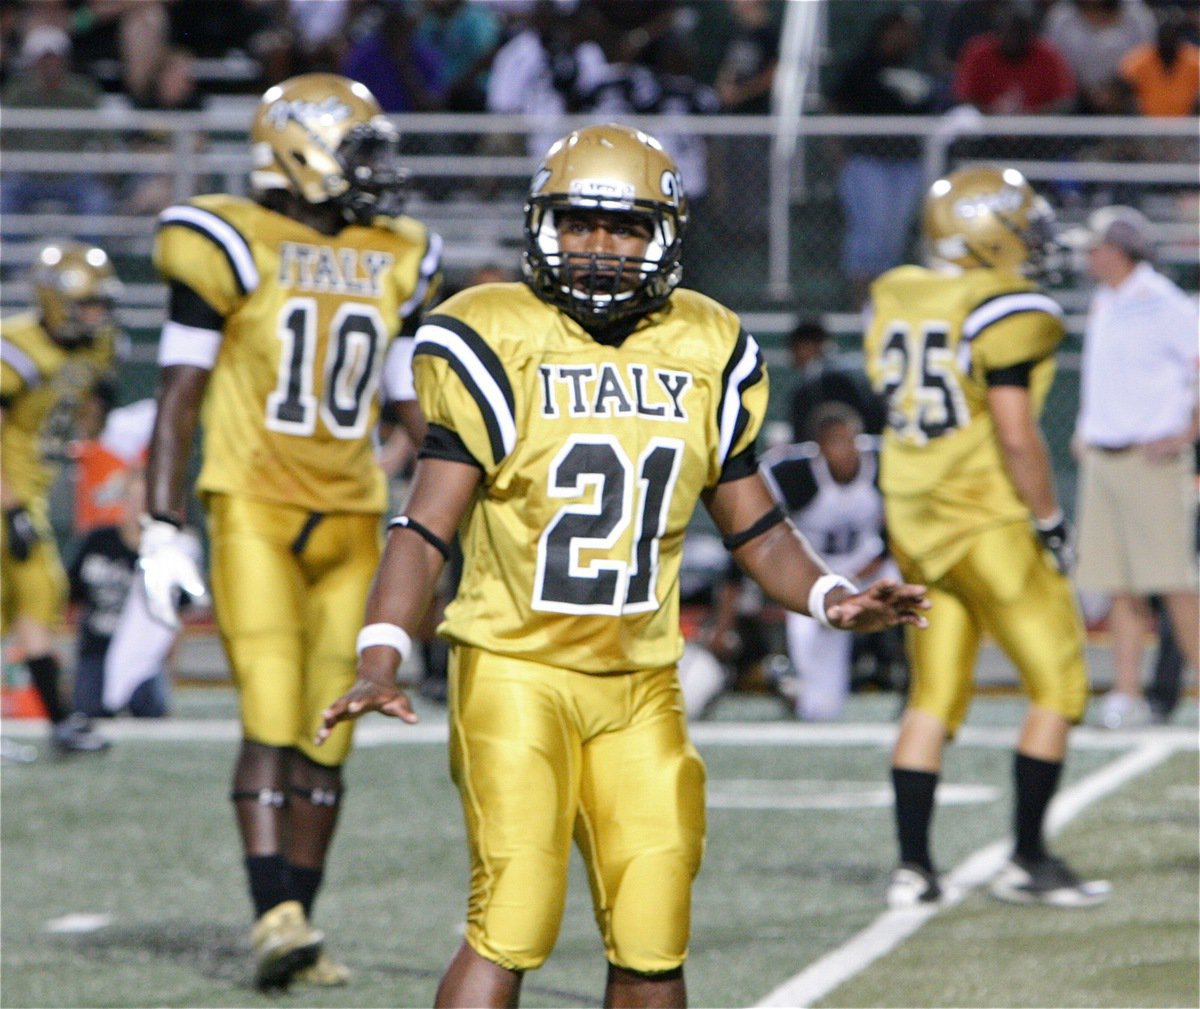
x=37 y=586
x=541 y=754
x=289 y=590
x=1006 y=586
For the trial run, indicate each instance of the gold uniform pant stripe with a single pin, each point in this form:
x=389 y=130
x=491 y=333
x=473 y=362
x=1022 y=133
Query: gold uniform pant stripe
x=542 y=755
x=289 y=619
x=1007 y=587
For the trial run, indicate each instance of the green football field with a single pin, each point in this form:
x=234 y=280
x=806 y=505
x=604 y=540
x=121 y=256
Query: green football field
x=122 y=883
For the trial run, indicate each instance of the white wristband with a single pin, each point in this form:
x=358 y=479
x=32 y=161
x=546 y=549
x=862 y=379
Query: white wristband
x=821 y=588
x=384 y=634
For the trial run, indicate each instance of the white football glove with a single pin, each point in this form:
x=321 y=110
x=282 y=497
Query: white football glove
x=169 y=561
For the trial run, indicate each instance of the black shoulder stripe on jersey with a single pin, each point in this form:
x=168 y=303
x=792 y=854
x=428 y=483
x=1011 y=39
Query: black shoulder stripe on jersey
x=188 y=308
x=744 y=464
x=1014 y=374
x=487 y=357
x=427 y=270
x=223 y=235
x=443 y=443
x=463 y=371
x=1000 y=306
x=736 y=364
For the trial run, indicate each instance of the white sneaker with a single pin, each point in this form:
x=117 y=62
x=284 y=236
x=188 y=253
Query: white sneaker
x=1123 y=711
x=1047 y=881
x=912 y=886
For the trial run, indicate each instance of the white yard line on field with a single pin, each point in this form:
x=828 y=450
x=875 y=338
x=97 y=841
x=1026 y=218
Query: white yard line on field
x=893 y=927
x=378 y=731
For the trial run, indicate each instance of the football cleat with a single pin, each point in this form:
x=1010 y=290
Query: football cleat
x=912 y=886
x=74 y=735
x=1048 y=880
x=284 y=944
x=324 y=972
x=1121 y=711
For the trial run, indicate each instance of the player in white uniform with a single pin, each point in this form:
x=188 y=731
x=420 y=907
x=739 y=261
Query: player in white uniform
x=829 y=489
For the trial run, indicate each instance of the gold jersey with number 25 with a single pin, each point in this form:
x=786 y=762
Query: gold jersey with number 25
x=933 y=341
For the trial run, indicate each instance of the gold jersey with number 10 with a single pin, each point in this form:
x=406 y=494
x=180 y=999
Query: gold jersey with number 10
x=932 y=343
x=593 y=459
x=307 y=321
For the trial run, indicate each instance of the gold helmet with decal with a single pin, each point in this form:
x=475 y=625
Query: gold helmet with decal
x=988 y=217
x=76 y=289
x=323 y=138
x=614 y=169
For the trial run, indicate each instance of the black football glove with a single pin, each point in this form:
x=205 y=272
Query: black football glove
x=1058 y=537
x=22 y=534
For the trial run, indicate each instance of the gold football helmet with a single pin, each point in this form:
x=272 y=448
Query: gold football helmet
x=76 y=289
x=323 y=137
x=614 y=169
x=988 y=217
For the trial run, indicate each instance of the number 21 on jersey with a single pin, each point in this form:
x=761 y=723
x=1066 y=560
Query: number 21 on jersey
x=919 y=381
x=621 y=491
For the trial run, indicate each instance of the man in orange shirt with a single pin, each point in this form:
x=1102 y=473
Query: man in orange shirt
x=1164 y=77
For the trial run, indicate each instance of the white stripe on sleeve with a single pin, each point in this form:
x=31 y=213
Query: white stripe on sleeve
x=397 y=371
x=180 y=344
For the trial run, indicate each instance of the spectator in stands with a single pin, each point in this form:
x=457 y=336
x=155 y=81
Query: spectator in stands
x=822 y=378
x=544 y=70
x=1136 y=428
x=404 y=72
x=46 y=81
x=880 y=183
x=1094 y=35
x=1013 y=71
x=744 y=83
x=137 y=31
x=1163 y=76
x=467 y=36
x=829 y=488
x=663 y=87
x=746 y=74
x=640 y=26
x=307 y=38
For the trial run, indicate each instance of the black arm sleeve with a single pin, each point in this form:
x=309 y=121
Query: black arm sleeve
x=1014 y=374
x=741 y=465
x=442 y=443
x=187 y=308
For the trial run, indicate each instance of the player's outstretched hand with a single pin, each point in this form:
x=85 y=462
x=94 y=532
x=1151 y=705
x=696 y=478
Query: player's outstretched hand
x=882 y=604
x=364 y=696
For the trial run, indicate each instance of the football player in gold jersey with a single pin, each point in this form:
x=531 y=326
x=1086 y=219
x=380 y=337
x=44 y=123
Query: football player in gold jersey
x=51 y=361
x=574 y=422
x=964 y=355
x=289 y=313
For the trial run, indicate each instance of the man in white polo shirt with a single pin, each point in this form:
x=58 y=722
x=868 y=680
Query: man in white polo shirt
x=1136 y=428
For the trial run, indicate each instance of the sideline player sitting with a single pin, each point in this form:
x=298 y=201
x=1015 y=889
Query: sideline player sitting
x=284 y=317
x=829 y=488
x=575 y=420
x=965 y=357
x=50 y=362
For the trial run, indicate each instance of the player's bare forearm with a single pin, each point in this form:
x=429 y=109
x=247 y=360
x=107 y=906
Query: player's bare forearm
x=180 y=393
x=786 y=567
x=404 y=586
x=1023 y=449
